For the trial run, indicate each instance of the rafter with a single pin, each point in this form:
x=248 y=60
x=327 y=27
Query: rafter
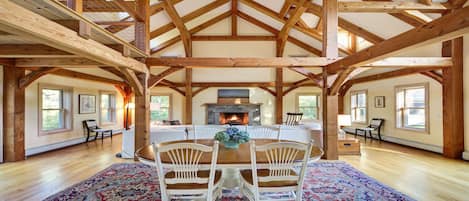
x=285 y=31
x=192 y=15
x=183 y=32
x=277 y=62
x=129 y=9
x=274 y=15
x=443 y=28
x=390 y=7
x=133 y=81
x=196 y=29
x=155 y=79
x=274 y=31
x=381 y=76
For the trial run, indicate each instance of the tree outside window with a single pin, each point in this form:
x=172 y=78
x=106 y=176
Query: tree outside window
x=358 y=106
x=160 y=106
x=411 y=107
x=108 y=107
x=309 y=106
x=52 y=109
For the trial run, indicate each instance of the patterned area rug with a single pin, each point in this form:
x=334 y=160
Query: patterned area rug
x=136 y=181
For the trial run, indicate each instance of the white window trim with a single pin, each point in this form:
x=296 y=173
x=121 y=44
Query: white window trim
x=68 y=114
x=114 y=114
x=366 y=105
x=170 y=109
x=318 y=101
x=426 y=85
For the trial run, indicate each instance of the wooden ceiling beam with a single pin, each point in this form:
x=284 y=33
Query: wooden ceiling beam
x=133 y=81
x=194 y=30
x=434 y=75
x=57 y=62
x=390 y=7
x=192 y=15
x=177 y=21
x=274 y=31
x=34 y=75
x=233 y=38
x=23 y=22
x=285 y=31
x=277 y=62
x=84 y=76
x=308 y=74
x=31 y=51
x=129 y=9
x=156 y=79
x=344 y=24
x=274 y=15
x=443 y=28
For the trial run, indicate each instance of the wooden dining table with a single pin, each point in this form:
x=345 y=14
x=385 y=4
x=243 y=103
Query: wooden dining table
x=233 y=158
x=229 y=160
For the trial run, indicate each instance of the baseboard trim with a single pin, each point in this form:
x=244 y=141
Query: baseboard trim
x=465 y=155
x=59 y=145
x=428 y=147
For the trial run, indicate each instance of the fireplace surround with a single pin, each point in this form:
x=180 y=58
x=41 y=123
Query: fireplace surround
x=245 y=114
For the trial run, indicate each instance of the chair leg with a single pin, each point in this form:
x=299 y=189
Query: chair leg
x=102 y=137
x=88 y=136
x=379 y=135
x=371 y=135
x=111 y=135
x=356 y=133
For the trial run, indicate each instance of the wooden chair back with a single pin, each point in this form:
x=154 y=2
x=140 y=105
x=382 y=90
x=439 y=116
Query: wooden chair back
x=281 y=157
x=90 y=125
x=376 y=123
x=266 y=132
x=293 y=119
x=185 y=159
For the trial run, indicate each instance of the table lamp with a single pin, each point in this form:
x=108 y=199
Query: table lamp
x=343 y=120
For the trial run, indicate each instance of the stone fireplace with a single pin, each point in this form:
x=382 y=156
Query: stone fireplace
x=233 y=107
x=236 y=114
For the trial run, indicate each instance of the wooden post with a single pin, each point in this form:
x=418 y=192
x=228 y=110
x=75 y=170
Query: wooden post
x=142 y=26
x=340 y=101
x=453 y=100
x=13 y=114
x=330 y=103
x=279 y=96
x=188 y=96
x=142 y=114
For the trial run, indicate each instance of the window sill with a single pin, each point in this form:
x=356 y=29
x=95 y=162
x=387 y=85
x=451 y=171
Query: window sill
x=359 y=122
x=44 y=133
x=422 y=131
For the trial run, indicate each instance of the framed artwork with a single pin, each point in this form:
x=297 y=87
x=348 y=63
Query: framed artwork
x=380 y=102
x=87 y=104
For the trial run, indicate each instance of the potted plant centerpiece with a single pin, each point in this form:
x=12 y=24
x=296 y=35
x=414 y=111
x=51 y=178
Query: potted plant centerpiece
x=232 y=137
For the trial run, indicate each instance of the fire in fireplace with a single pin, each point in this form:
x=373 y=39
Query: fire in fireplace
x=241 y=118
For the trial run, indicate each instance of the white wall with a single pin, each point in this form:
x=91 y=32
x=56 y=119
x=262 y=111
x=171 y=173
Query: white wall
x=432 y=140
x=32 y=138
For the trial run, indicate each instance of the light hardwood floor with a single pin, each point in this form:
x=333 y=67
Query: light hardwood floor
x=419 y=174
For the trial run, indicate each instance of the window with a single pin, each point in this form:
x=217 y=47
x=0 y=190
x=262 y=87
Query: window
x=411 y=107
x=55 y=109
x=160 y=108
x=308 y=104
x=358 y=106
x=108 y=107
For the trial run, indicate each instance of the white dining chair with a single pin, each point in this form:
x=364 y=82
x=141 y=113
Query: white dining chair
x=207 y=131
x=184 y=178
x=264 y=132
x=280 y=175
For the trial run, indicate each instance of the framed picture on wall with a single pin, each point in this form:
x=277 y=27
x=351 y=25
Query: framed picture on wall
x=87 y=104
x=380 y=102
